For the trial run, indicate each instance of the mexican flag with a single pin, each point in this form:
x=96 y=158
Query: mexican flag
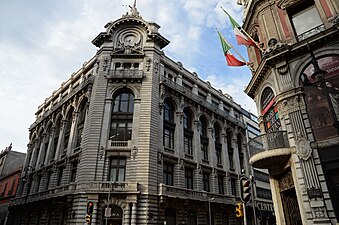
x=242 y=39
x=230 y=59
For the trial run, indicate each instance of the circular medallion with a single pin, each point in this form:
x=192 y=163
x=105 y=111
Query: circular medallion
x=303 y=148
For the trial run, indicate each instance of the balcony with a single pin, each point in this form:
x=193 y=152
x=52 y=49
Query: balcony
x=51 y=193
x=269 y=151
x=107 y=186
x=119 y=145
x=311 y=32
x=121 y=75
x=183 y=193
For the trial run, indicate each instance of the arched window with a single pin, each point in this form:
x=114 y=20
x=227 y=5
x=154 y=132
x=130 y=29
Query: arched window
x=68 y=126
x=230 y=149
x=168 y=112
x=122 y=116
x=169 y=125
x=188 y=133
x=203 y=138
x=269 y=111
x=124 y=102
x=45 y=146
x=81 y=123
x=241 y=153
x=55 y=138
x=218 y=145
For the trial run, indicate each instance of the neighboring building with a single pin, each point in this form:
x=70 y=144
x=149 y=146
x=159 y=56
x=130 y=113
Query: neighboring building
x=10 y=165
x=8 y=187
x=295 y=85
x=262 y=191
x=10 y=161
x=135 y=131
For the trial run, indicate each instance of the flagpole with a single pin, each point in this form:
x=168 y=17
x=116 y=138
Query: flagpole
x=241 y=29
x=242 y=58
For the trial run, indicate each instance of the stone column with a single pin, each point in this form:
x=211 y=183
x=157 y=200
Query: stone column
x=127 y=219
x=224 y=152
x=196 y=140
x=179 y=136
x=60 y=140
x=236 y=154
x=35 y=149
x=41 y=151
x=134 y=214
x=211 y=147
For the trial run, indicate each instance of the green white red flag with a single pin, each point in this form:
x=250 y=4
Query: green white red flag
x=242 y=39
x=230 y=58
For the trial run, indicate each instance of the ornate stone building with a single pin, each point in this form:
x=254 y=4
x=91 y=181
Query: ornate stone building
x=295 y=85
x=135 y=131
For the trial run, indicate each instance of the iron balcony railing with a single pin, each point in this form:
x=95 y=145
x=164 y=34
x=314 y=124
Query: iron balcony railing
x=125 y=74
x=187 y=92
x=268 y=141
x=311 y=32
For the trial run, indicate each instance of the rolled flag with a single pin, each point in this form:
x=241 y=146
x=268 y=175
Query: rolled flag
x=230 y=59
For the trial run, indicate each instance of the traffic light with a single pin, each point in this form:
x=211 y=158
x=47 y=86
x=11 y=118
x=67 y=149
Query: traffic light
x=90 y=206
x=239 y=210
x=88 y=219
x=245 y=189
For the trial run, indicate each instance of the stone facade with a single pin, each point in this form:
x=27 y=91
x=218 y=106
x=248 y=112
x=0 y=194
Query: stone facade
x=295 y=86
x=135 y=131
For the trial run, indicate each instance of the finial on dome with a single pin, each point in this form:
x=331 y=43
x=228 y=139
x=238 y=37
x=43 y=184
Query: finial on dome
x=133 y=11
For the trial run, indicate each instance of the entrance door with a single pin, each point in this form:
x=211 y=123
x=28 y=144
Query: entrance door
x=291 y=208
x=289 y=198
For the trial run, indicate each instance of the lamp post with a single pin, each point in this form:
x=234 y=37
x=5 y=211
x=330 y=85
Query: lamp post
x=209 y=211
x=321 y=83
x=28 y=170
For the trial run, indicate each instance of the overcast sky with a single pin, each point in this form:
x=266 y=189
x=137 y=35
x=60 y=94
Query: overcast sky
x=43 y=42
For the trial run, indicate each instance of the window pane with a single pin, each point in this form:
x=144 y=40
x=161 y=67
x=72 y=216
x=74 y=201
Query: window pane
x=306 y=20
x=121 y=175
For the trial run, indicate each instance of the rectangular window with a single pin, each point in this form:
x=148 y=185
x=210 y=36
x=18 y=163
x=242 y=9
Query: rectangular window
x=218 y=153
x=189 y=178
x=74 y=171
x=305 y=19
x=49 y=175
x=230 y=158
x=188 y=147
x=61 y=171
x=221 y=184
x=204 y=150
x=168 y=138
x=38 y=183
x=206 y=181
x=117 y=169
x=168 y=174
x=233 y=186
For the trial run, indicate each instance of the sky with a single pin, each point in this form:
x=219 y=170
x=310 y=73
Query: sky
x=43 y=42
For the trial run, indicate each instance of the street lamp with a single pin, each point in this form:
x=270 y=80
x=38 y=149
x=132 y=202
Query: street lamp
x=28 y=170
x=321 y=83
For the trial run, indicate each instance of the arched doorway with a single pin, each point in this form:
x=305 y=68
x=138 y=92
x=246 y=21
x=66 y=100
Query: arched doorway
x=114 y=215
x=170 y=216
